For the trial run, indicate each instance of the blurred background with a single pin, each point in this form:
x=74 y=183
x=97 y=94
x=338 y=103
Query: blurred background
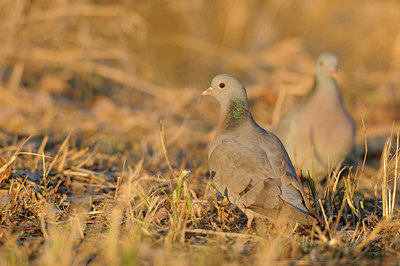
x=110 y=70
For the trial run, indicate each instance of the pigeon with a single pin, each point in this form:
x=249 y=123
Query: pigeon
x=319 y=133
x=249 y=166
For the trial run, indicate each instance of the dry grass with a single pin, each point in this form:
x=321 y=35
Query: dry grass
x=88 y=175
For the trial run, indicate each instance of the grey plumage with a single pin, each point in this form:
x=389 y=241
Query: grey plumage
x=249 y=165
x=319 y=133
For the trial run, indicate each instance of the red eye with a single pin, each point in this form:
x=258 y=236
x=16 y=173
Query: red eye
x=222 y=85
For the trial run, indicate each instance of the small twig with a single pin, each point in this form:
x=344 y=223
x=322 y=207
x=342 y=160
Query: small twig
x=323 y=213
x=340 y=213
x=14 y=156
x=80 y=153
x=41 y=149
x=370 y=237
x=117 y=188
x=355 y=232
x=294 y=229
x=225 y=234
x=164 y=149
x=278 y=106
x=63 y=159
x=321 y=234
x=95 y=149
x=35 y=154
x=54 y=190
x=79 y=227
x=136 y=172
x=44 y=176
x=395 y=174
x=366 y=149
x=64 y=144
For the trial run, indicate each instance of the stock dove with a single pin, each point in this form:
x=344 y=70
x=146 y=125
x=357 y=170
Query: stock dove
x=248 y=164
x=318 y=133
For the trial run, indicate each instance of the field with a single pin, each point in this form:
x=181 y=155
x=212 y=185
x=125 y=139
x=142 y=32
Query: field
x=103 y=141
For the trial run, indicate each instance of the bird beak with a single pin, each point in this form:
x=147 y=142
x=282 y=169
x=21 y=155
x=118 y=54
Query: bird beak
x=334 y=73
x=207 y=91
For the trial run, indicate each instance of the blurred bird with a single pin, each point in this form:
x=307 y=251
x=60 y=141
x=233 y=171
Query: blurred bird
x=319 y=134
x=248 y=164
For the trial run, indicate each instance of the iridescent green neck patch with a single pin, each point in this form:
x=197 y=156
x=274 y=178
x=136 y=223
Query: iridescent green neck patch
x=237 y=112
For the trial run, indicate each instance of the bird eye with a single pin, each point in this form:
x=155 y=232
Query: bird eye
x=222 y=85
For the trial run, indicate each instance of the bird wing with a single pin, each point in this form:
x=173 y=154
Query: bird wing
x=275 y=150
x=254 y=180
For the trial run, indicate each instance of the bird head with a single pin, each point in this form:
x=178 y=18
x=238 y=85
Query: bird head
x=326 y=66
x=224 y=88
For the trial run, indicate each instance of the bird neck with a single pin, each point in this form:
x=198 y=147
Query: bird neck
x=234 y=114
x=326 y=85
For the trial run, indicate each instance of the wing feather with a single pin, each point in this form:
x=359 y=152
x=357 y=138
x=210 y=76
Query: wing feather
x=255 y=180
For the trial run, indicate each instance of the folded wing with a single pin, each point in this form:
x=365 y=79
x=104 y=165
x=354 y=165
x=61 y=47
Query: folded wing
x=258 y=182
